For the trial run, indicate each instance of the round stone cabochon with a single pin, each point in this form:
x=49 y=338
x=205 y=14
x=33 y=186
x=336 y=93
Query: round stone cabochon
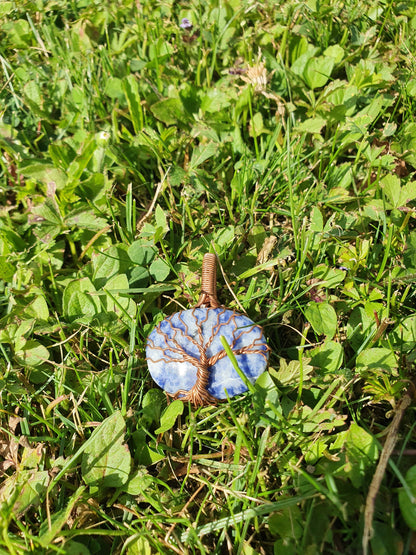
x=174 y=350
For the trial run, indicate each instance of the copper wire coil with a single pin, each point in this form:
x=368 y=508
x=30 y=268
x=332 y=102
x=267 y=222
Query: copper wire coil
x=208 y=295
x=209 y=274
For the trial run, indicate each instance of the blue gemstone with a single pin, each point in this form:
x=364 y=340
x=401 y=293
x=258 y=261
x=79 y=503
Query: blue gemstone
x=175 y=346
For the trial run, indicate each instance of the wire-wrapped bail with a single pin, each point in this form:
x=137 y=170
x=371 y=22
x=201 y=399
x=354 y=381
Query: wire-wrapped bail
x=208 y=297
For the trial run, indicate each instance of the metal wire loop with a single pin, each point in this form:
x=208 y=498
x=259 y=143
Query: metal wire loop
x=208 y=297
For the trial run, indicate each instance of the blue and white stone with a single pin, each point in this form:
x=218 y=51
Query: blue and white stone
x=185 y=334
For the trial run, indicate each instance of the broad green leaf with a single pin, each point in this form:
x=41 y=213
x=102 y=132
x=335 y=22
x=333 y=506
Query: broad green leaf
x=47 y=213
x=318 y=70
x=77 y=303
x=391 y=187
x=139 y=276
x=140 y=546
x=218 y=17
x=109 y=263
x=411 y=88
x=322 y=318
x=138 y=482
x=312 y=421
x=337 y=195
x=408 y=506
x=298 y=46
x=299 y=65
x=336 y=52
x=106 y=461
x=142 y=252
x=266 y=400
x=160 y=232
x=311 y=125
x=389 y=129
x=38 y=308
x=375 y=209
x=78 y=165
x=32 y=92
x=377 y=358
x=159 y=51
x=214 y=100
x=114 y=88
x=287 y=523
x=6 y=8
x=368 y=114
x=314 y=451
x=131 y=91
x=225 y=236
x=85 y=219
x=159 y=269
x=408 y=193
x=257 y=237
x=385 y=540
x=7 y=269
x=169 y=416
x=407 y=143
x=18 y=33
x=32 y=353
x=316 y=220
x=169 y=110
x=404 y=334
x=359 y=327
x=145 y=455
x=328 y=357
x=95 y=187
x=410 y=251
x=76 y=548
x=10 y=241
x=202 y=153
x=81 y=307
x=189 y=95
x=15 y=332
x=340 y=176
x=115 y=285
x=20 y=340
x=152 y=405
x=8 y=334
x=257 y=125
x=330 y=277
x=25 y=488
x=45 y=173
x=285 y=547
x=78 y=97
x=123 y=306
x=289 y=373
x=265 y=382
x=161 y=219
x=361 y=454
x=31 y=458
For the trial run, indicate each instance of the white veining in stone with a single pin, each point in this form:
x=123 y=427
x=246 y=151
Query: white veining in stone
x=186 y=334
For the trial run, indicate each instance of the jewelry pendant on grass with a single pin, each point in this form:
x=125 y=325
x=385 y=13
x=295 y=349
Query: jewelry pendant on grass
x=187 y=358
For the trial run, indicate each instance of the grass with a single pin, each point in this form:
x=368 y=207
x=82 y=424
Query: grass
x=279 y=135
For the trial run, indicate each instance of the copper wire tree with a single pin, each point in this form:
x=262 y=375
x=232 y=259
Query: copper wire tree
x=190 y=340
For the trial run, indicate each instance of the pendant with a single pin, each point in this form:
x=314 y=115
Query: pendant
x=186 y=356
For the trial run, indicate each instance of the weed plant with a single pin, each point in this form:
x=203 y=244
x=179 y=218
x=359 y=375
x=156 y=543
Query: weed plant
x=137 y=136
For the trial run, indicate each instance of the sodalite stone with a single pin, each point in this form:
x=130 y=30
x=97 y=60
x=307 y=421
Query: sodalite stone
x=174 y=349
